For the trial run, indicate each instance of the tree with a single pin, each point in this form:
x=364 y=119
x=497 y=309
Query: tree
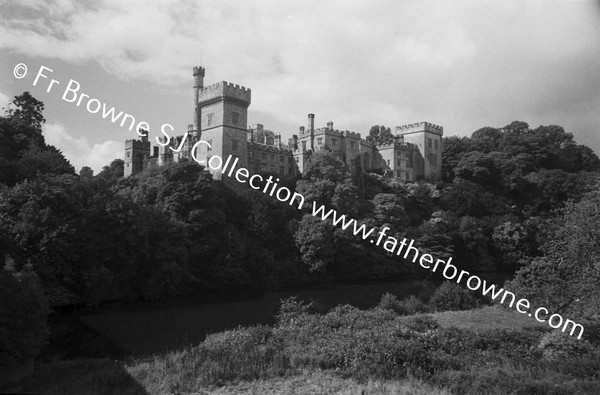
x=565 y=279
x=28 y=110
x=314 y=238
x=380 y=135
x=86 y=172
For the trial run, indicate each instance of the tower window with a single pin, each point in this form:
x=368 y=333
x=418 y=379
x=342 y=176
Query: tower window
x=209 y=118
x=234 y=145
x=128 y=154
x=388 y=162
x=429 y=142
x=352 y=144
x=281 y=158
x=235 y=117
x=334 y=142
x=436 y=144
x=263 y=156
x=319 y=140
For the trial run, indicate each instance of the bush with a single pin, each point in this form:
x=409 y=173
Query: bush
x=23 y=313
x=407 y=306
x=450 y=296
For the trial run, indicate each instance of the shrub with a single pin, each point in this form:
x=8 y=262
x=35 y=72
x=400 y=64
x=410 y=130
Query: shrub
x=556 y=345
x=450 y=296
x=407 y=306
x=291 y=309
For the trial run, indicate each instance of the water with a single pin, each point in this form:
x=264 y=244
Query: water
x=145 y=328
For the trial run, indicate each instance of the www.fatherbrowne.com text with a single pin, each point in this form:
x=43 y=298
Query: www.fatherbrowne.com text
x=392 y=245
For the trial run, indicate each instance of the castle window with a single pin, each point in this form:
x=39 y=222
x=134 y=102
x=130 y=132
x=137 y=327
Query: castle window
x=297 y=160
x=281 y=170
x=436 y=144
x=319 y=140
x=263 y=156
x=234 y=145
x=263 y=167
x=209 y=118
x=388 y=162
x=128 y=154
x=407 y=177
x=429 y=142
x=352 y=144
x=235 y=117
x=281 y=158
x=272 y=157
x=399 y=162
x=303 y=146
x=333 y=142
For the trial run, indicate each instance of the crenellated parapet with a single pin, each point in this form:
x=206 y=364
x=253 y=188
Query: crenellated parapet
x=420 y=127
x=225 y=90
x=269 y=149
x=396 y=146
x=137 y=144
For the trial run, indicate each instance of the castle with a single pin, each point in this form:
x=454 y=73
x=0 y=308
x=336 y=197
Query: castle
x=221 y=119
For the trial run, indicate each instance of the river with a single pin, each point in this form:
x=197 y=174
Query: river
x=144 y=328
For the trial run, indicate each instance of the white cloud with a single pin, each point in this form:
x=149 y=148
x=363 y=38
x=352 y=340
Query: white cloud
x=463 y=64
x=79 y=151
x=4 y=101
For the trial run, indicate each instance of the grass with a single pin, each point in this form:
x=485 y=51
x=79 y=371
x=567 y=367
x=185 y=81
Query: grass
x=486 y=318
x=489 y=350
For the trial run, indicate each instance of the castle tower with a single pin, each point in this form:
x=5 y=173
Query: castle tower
x=198 y=73
x=136 y=151
x=428 y=138
x=223 y=120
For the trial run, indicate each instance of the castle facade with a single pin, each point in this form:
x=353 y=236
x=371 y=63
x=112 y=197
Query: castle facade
x=221 y=119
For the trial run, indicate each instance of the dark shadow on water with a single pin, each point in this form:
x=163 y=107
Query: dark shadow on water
x=90 y=376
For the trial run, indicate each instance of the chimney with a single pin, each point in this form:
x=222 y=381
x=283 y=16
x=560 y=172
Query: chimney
x=311 y=128
x=330 y=125
x=301 y=129
x=278 y=141
x=251 y=135
x=311 y=122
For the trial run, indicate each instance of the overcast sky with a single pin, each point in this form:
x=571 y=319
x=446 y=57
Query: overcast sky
x=459 y=64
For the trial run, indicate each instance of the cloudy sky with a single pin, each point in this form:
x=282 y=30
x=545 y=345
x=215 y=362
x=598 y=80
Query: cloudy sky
x=460 y=64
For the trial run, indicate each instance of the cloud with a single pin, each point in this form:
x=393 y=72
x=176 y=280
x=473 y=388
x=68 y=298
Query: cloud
x=79 y=151
x=4 y=101
x=462 y=64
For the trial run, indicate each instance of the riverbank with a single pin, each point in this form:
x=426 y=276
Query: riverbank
x=348 y=351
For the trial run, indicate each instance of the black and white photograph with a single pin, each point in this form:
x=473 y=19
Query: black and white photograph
x=299 y=197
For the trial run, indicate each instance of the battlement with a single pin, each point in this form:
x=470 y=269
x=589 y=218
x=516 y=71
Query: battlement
x=397 y=145
x=269 y=148
x=352 y=135
x=137 y=144
x=329 y=132
x=198 y=70
x=225 y=89
x=420 y=127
